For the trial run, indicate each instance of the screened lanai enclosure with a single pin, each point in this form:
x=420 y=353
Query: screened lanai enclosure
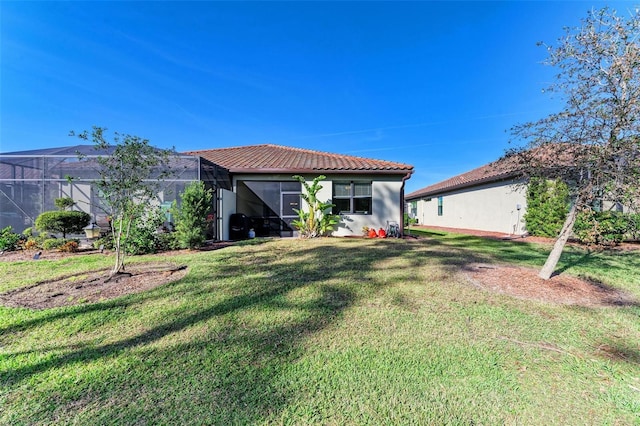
x=270 y=206
x=31 y=181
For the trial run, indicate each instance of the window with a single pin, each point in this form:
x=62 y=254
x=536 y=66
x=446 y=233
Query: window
x=352 y=197
x=413 y=209
x=439 y=206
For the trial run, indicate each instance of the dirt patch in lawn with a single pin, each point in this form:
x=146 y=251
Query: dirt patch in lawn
x=524 y=283
x=93 y=286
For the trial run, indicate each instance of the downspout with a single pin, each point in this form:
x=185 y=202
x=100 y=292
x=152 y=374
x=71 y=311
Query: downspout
x=404 y=181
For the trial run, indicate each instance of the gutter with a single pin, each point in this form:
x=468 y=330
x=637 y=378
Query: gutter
x=249 y=170
x=404 y=181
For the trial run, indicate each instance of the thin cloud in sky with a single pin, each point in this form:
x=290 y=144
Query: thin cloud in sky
x=440 y=86
x=402 y=126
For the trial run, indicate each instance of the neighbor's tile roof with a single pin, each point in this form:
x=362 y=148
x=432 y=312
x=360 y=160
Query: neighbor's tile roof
x=545 y=159
x=270 y=158
x=492 y=172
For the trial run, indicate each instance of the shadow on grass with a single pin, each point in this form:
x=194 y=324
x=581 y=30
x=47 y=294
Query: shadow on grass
x=572 y=260
x=335 y=275
x=240 y=364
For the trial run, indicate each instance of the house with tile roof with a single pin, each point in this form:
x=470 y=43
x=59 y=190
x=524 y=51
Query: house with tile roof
x=366 y=192
x=488 y=198
x=254 y=187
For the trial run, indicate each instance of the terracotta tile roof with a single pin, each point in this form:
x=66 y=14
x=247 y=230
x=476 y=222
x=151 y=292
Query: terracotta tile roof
x=544 y=160
x=270 y=158
x=496 y=171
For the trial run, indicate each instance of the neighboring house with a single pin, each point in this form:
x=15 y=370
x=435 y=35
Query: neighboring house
x=255 y=181
x=366 y=192
x=489 y=198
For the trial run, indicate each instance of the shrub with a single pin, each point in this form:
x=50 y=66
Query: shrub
x=604 y=228
x=52 y=243
x=144 y=237
x=28 y=232
x=70 y=246
x=106 y=242
x=547 y=207
x=31 y=244
x=64 y=203
x=634 y=227
x=408 y=220
x=167 y=241
x=9 y=240
x=63 y=222
x=191 y=217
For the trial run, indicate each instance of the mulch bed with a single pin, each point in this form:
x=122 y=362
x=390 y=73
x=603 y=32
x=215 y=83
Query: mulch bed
x=524 y=283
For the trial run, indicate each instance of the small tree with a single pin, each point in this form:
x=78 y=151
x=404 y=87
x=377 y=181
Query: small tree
x=191 y=216
x=64 y=222
x=131 y=171
x=316 y=221
x=593 y=145
x=64 y=203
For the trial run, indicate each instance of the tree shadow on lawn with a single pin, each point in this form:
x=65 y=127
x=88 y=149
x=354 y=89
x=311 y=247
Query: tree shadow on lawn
x=244 y=384
x=492 y=250
x=336 y=275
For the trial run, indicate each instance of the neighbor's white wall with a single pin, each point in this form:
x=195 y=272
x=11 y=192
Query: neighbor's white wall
x=490 y=207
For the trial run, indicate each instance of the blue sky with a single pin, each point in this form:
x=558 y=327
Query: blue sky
x=436 y=85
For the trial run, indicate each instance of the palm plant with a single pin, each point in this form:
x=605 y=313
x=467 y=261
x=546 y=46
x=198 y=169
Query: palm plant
x=316 y=221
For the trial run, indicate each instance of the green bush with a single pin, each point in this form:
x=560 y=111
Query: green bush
x=547 y=207
x=62 y=244
x=64 y=203
x=604 y=228
x=9 y=240
x=53 y=243
x=191 y=217
x=409 y=220
x=106 y=242
x=64 y=222
x=634 y=227
x=28 y=232
x=144 y=237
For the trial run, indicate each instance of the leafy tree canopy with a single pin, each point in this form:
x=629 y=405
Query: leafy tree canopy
x=64 y=222
x=593 y=144
x=129 y=181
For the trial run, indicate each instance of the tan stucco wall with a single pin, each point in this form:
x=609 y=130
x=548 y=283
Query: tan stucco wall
x=386 y=198
x=491 y=207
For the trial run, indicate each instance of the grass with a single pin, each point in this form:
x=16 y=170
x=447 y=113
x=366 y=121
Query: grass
x=331 y=331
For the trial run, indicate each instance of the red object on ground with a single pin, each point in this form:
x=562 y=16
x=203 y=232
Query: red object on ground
x=372 y=233
x=382 y=233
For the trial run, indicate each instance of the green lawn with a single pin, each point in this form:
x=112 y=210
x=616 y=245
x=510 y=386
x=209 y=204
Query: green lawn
x=330 y=331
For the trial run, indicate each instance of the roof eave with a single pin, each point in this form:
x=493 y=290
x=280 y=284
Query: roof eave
x=249 y=170
x=465 y=185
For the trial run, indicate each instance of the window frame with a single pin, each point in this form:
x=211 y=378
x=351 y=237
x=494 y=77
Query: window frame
x=352 y=197
x=440 y=209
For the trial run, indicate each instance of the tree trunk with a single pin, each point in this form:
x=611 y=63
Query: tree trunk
x=554 y=256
